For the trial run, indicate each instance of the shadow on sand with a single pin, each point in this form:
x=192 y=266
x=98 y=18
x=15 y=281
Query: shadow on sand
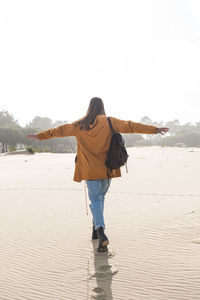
x=103 y=273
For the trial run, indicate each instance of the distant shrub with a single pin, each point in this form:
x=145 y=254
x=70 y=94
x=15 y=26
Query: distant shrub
x=11 y=149
x=30 y=150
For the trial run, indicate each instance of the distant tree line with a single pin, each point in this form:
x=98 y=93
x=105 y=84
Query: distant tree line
x=13 y=136
x=187 y=135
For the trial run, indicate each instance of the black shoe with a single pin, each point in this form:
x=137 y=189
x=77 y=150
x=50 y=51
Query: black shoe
x=103 y=249
x=103 y=240
x=94 y=233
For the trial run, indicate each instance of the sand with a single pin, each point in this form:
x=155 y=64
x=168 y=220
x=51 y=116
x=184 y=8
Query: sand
x=152 y=220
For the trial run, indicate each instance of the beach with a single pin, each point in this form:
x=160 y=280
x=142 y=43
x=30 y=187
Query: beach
x=152 y=217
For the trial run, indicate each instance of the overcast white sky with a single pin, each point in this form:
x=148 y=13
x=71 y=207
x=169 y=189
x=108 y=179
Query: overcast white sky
x=141 y=57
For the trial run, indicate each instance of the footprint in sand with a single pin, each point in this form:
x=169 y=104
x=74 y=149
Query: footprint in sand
x=98 y=293
x=104 y=268
x=104 y=271
x=111 y=254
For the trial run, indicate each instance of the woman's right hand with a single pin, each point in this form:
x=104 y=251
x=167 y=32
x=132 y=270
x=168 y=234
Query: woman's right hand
x=32 y=136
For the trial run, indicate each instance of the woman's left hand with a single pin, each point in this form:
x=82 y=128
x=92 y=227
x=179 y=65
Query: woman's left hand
x=162 y=130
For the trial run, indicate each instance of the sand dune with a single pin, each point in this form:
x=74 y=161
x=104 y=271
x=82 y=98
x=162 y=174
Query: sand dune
x=152 y=221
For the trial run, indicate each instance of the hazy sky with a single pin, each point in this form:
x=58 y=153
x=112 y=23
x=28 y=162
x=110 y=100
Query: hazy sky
x=141 y=57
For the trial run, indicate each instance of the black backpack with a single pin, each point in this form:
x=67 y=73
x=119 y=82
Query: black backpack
x=117 y=155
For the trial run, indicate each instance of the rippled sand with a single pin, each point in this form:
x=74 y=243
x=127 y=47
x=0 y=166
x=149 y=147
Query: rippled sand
x=152 y=221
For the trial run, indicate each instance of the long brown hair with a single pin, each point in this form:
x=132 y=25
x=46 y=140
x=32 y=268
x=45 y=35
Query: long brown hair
x=96 y=107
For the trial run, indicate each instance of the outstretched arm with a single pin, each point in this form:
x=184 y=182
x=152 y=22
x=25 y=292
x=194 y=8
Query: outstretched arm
x=133 y=127
x=60 y=131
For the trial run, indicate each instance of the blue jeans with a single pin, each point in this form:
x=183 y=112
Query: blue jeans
x=97 y=190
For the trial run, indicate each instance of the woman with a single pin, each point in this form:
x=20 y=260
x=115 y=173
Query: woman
x=93 y=136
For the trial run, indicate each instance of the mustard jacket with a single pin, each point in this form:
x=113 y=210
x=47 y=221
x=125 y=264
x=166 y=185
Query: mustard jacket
x=93 y=145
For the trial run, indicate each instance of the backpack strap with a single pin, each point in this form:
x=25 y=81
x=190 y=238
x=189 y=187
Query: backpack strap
x=110 y=124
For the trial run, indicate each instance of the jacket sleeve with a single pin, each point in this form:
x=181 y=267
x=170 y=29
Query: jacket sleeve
x=60 y=131
x=132 y=127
